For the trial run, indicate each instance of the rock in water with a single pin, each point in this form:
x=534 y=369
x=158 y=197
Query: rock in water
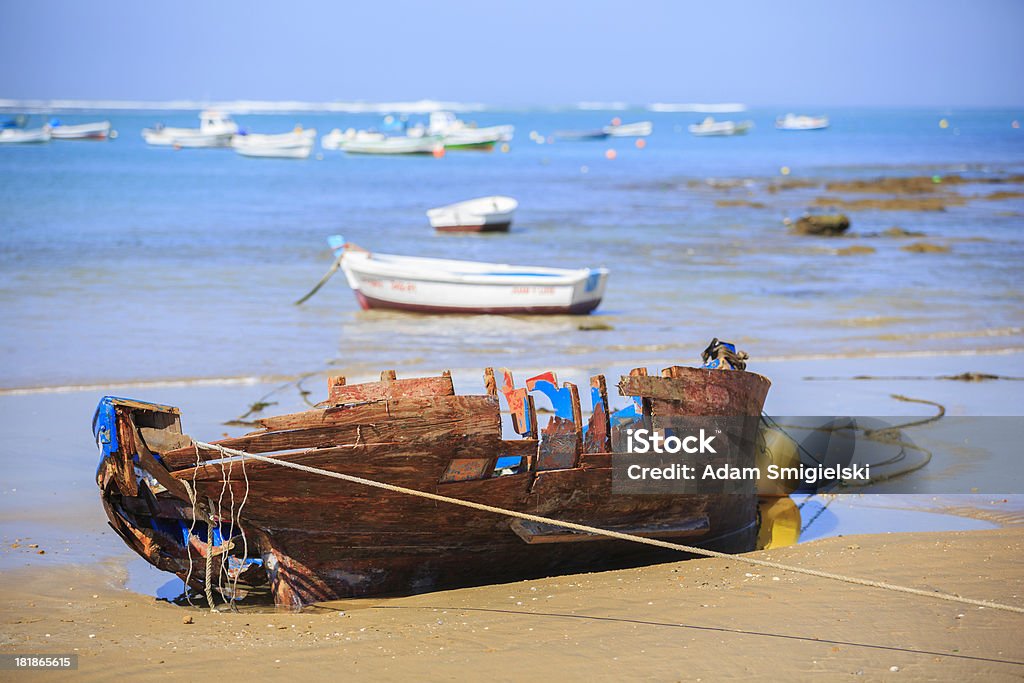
x=827 y=225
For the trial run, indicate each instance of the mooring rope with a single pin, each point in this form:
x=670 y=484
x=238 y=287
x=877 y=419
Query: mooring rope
x=693 y=550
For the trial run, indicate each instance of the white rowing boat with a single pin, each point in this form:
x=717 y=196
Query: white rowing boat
x=430 y=285
x=215 y=130
x=709 y=127
x=24 y=135
x=337 y=138
x=398 y=144
x=294 y=145
x=81 y=131
x=801 y=122
x=640 y=129
x=484 y=214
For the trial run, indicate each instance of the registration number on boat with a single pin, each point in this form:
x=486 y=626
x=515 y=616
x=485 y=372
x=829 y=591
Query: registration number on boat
x=542 y=291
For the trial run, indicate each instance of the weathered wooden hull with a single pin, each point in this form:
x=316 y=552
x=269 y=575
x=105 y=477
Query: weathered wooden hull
x=308 y=538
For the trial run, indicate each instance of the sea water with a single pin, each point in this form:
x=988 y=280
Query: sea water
x=122 y=262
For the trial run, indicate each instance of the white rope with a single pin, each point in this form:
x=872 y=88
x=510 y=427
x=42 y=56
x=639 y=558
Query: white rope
x=231 y=452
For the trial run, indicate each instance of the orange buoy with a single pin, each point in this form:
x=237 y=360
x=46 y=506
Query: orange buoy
x=640 y=143
x=438 y=152
x=616 y=121
x=610 y=154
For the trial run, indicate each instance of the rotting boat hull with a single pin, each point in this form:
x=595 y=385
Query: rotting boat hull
x=309 y=538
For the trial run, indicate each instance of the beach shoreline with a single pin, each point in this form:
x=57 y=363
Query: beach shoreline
x=704 y=618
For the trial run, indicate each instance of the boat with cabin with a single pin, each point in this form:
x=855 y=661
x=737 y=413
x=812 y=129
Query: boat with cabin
x=215 y=130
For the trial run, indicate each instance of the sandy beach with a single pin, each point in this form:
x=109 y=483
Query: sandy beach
x=707 y=619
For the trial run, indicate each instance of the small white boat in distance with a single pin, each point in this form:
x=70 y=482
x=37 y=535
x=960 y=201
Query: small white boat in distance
x=215 y=130
x=24 y=135
x=801 y=122
x=399 y=144
x=81 y=131
x=457 y=134
x=640 y=129
x=484 y=214
x=294 y=145
x=337 y=139
x=430 y=285
x=709 y=127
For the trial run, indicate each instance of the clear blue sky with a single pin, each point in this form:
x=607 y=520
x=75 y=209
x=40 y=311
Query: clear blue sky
x=855 y=52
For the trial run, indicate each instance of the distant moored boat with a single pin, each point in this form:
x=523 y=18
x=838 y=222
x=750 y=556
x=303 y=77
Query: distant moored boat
x=485 y=214
x=24 y=135
x=294 y=145
x=99 y=130
x=709 y=127
x=801 y=122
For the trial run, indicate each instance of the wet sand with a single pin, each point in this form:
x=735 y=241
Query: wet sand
x=702 y=619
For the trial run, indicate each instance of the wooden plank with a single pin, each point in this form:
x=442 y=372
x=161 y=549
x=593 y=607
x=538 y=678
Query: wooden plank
x=444 y=420
x=465 y=469
x=538 y=532
x=598 y=436
x=559 y=445
x=701 y=391
x=388 y=389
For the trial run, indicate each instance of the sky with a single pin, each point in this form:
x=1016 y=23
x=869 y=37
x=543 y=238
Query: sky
x=531 y=52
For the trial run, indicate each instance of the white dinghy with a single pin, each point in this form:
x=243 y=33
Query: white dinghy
x=430 y=285
x=294 y=145
x=99 y=130
x=399 y=144
x=710 y=127
x=24 y=135
x=801 y=122
x=484 y=214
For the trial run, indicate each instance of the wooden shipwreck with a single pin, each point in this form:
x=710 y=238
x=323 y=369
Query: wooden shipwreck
x=305 y=538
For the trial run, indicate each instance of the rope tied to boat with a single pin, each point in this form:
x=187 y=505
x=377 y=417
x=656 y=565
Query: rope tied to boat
x=583 y=528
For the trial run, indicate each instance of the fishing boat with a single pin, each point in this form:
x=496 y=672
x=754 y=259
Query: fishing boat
x=640 y=129
x=294 y=145
x=215 y=130
x=801 y=122
x=337 y=138
x=297 y=510
x=24 y=135
x=457 y=134
x=578 y=135
x=431 y=285
x=711 y=127
x=99 y=130
x=485 y=214
x=397 y=144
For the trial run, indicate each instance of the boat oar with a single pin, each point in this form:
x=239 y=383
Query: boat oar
x=327 y=276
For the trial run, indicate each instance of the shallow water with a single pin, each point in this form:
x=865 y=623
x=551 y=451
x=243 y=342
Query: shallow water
x=122 y=262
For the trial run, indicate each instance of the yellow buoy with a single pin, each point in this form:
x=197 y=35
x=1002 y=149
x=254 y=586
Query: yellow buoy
x=775 y=448
x=504 y=147
x=779 y=523
x=784 y=170
x=943 y=123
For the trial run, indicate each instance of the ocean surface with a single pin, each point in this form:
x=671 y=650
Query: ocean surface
x=126 y=263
